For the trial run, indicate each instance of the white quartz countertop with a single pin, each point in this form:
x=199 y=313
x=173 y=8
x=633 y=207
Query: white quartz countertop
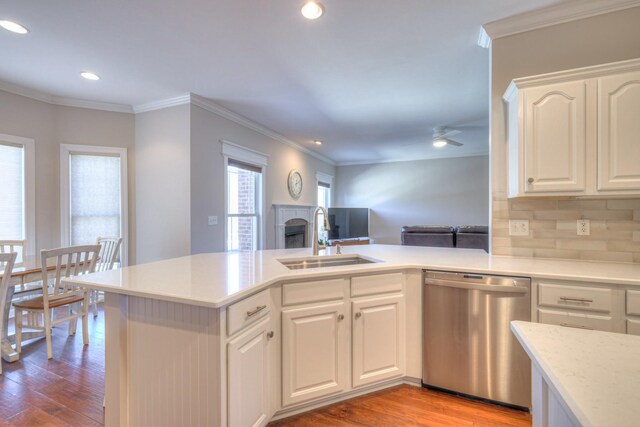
x=217 y=279
x=596 y=375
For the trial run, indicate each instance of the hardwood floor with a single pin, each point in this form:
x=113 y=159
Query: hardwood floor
x=65 y=391
x=408 y=406
x=68 y=391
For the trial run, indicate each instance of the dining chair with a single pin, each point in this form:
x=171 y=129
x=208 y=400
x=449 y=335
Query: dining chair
x=110 y=248
x=8 y=246
x=35 y=313
x=7 y=260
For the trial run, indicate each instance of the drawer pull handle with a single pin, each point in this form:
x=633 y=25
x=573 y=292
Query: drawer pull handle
x=569 y=299
x=567 y=325
x=358 y=315
x=340 y=317
x=256 y=311
x=270 y=334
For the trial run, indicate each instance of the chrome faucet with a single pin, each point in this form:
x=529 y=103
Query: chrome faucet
x=316 y=245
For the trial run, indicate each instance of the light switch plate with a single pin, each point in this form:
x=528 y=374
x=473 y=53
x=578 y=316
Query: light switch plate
x=584 y=227
x=518 y=227
x=213 y=220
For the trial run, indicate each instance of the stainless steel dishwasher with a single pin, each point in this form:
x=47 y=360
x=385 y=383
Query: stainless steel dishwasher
x=468 y=347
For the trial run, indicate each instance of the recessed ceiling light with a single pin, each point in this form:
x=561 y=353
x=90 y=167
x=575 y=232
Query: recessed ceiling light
x=14 y=27
x=439 y=143
x=89 y=75
x=317 y=142
x=312 y=9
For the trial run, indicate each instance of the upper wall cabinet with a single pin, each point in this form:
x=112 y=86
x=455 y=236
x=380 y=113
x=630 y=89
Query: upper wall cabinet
x=575 y=133
x=619 y=132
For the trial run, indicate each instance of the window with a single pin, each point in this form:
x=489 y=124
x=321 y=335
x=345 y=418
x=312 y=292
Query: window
x=17 y=175
x=93 y=181
x=324 y=196
x=244 y=187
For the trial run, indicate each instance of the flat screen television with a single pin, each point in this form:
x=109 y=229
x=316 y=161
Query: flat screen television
x=348 y=223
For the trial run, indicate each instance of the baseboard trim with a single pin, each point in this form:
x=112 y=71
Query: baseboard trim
x=306 y=407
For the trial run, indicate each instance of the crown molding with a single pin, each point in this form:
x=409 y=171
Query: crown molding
x=67 y=102
x=437 y=157
x=221 y=111
x=548 y=16
x=162 y=103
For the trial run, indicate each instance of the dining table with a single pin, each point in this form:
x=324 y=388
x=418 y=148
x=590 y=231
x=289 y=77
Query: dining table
x=26 y=280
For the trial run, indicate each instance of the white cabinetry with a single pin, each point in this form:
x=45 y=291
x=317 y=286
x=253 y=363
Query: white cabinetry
x=378 y=339
x=619 y=132
x=576 y=132
x=580 y=305
x=314 y=344
x=555 y=138
x=248 y=376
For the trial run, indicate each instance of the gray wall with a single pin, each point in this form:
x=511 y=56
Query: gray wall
x=52 y=125
x=424 y=192
x=207 y=176
x=163 y=203
x=601 y=39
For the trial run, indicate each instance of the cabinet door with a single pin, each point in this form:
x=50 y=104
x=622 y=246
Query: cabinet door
x=248 y=377
x=619 y=132
x=378 y=339
x=555 y=138
x=314 y=343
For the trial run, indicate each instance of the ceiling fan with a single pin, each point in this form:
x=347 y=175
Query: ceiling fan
x=442 y=137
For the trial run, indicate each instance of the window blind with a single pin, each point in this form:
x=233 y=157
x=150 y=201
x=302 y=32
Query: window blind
x=94 y=197
x=12 y=214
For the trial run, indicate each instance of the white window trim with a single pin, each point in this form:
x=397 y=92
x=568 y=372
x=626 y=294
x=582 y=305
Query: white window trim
x=231 y=150
x=328 y=179
x=30 y=188
x=65 y=151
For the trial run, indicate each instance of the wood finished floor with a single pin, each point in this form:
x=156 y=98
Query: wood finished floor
x=408 y=406
x=64 y=391
x=68 y=391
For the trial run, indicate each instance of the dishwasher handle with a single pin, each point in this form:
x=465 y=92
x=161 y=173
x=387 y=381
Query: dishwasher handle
x=478 y=286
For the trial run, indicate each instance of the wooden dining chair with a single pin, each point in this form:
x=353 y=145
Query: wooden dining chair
x=109 y=250
x=7 y=260
x=35 y=313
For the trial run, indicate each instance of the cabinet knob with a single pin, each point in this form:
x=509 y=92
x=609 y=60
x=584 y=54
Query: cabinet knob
x=340 y=317
x=270 y=334
x=530 y=180
x=358 y=315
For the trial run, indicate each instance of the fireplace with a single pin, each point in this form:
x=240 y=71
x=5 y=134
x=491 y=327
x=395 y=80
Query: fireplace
x=293 y=226
x=295 y=233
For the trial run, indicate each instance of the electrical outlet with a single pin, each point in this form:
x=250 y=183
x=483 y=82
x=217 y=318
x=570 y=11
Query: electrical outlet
x=213 y=220
x=584 y=227
x=519 y=227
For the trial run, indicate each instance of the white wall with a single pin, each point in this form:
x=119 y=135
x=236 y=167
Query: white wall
x=163 y=228
x=451 y=191
x=52 y=125
x=207 y=176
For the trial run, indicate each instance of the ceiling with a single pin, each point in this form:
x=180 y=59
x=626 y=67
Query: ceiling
x=370 y=78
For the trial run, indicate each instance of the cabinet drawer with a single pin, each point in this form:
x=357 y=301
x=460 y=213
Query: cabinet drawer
x=322 y=290
x=633 y=302
x=578 y=297
x=633 y=327
x=247 y=311
x=378 y=284
x=576 y=320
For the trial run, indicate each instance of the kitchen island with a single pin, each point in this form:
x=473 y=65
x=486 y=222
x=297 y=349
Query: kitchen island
x=238 y=338
x=582 y=378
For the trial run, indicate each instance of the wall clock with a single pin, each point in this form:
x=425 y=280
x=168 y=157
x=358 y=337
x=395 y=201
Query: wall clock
x=295 y=184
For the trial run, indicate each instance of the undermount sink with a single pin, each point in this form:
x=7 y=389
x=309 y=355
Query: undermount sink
x=323 y=262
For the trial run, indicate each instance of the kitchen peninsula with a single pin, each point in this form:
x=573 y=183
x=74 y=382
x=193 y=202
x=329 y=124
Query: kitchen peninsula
x=239 y=338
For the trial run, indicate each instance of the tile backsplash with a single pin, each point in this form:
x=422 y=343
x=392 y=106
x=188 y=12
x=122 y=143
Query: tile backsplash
x=615 y=229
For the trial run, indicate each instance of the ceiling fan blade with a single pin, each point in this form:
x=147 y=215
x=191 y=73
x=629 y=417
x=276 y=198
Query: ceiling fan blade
x=449 y=133
x=454 y=143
